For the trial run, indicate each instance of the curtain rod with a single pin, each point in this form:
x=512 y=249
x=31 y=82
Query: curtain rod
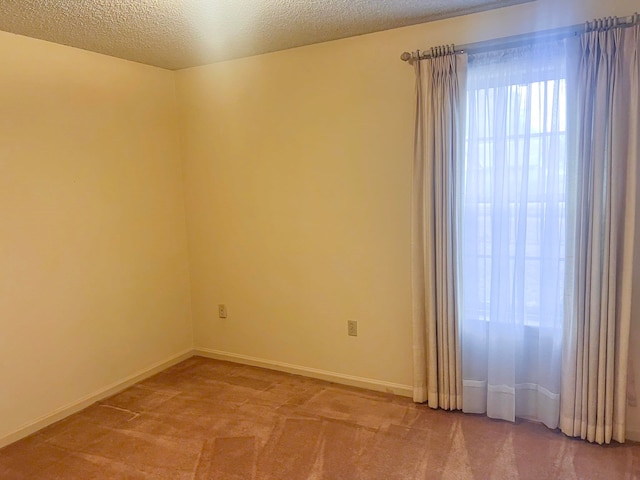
x=519 y=40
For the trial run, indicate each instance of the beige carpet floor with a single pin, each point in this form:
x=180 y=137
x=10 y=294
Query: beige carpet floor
x=206 y=419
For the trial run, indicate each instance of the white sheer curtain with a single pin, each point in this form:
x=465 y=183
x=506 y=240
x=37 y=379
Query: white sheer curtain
x=607 y=151
x=438 y=146
x=512 y=249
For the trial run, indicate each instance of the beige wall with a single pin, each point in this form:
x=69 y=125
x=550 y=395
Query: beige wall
x=298 y=177
x=298 y=171
x=94 y=282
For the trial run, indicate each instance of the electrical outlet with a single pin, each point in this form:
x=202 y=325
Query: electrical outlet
x=352 y=328
x=222 y=311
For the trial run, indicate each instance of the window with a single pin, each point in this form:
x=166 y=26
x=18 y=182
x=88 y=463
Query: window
x=515 y=186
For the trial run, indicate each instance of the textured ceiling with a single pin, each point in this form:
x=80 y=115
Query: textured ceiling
x=177 y=34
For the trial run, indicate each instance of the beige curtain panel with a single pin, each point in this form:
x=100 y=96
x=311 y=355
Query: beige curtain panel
x=439 y=136
x=597 y=321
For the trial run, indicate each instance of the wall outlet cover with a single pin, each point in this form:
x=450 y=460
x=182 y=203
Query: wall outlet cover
x=352 y=328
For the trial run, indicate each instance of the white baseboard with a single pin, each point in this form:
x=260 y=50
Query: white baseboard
x=633 y=435
x=343 y=379
x=90 y=399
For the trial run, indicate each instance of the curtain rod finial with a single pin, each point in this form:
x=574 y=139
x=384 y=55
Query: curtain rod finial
x=405 y=57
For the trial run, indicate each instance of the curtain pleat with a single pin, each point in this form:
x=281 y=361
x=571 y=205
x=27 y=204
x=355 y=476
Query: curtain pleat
x=439 y=131
x=607 y=138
